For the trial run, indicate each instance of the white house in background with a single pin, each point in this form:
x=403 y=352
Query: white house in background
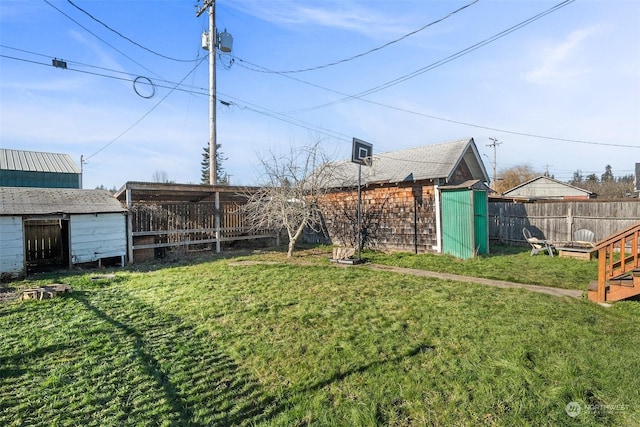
x=50 y=228
x=543 y=187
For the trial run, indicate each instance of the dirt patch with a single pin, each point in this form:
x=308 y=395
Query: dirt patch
x=248 y=262
x=487 y=282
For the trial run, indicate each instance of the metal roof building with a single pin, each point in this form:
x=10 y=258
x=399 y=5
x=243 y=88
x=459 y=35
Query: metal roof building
x=20 y=168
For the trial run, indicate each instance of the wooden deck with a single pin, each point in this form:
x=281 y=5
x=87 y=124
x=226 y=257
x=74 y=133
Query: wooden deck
x=618 y=267
x=576 y=250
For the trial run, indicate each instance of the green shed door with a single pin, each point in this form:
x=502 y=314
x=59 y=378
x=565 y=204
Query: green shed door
x=458 y=223
x=481 y=221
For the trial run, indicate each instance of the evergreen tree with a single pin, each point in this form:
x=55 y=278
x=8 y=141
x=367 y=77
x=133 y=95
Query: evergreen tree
x=221 y=177
x=607 y=176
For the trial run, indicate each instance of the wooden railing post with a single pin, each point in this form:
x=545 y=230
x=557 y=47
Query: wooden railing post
x=602 y=273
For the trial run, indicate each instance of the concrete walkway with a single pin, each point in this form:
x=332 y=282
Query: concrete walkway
x=573 y=293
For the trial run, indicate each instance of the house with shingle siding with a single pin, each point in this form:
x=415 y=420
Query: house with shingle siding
x=401 y=195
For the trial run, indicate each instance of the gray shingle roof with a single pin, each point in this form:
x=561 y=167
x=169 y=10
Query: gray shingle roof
x=413 y=164
x=34 y=161
x=45 y=201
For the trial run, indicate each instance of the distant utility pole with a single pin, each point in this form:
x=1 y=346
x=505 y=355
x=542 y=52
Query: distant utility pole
x=82 y=163
x=494 y=144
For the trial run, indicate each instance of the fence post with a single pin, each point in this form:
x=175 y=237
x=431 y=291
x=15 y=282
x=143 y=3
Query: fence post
x=501 y=227
x=569 y=223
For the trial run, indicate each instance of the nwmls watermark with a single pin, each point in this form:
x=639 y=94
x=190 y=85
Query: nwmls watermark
x=574 y=409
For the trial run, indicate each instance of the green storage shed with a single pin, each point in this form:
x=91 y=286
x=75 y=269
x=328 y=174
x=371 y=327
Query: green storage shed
x=465 y=224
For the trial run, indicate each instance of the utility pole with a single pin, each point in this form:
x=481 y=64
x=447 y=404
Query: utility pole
x=494 y=144
x=82 y=163
x=211 y=47
x=225 y=42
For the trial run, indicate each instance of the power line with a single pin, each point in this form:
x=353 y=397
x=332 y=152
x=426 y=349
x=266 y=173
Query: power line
x=128 y=73
x=443 y=61
x=145 y=114
x=375 y=49
x=99 y=38
x=404 y=110
x=127 y=38
x=175 y=87
x=281 y=115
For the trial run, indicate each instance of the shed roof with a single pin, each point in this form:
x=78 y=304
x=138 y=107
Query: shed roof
x=155 y=192
x=35 y=161
x=47 y=201
x=435 y=161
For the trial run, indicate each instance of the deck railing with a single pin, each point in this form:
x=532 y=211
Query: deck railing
x=617 y=255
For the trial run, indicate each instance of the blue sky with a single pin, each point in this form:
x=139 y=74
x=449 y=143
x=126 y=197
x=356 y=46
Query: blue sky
x=561 y=93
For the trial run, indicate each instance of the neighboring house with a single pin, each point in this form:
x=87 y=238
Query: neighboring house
x=546 y=188
x=402 y=195
x=42 y=228
x=19 y=168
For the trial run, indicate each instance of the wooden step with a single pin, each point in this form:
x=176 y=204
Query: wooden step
x=613 y=291
x=617 y=293
x=627 y=282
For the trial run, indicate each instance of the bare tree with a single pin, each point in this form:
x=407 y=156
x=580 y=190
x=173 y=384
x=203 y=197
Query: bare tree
x=514 y=176
x=344 y=224
x=161 y=177
x=289 y=198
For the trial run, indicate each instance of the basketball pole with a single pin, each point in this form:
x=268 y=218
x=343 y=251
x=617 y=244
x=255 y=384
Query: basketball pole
x=359 y=214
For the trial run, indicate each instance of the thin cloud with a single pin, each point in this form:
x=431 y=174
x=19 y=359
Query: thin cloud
x=561 y=62
x=328 y=14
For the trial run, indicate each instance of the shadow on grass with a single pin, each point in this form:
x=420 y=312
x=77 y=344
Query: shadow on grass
x=201 y=384
x=342 y=375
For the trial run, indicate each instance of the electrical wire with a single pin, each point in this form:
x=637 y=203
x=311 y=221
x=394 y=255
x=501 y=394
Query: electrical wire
x=443 y=61
x=99 y=38
x=375 y=49
x=127 y=38
x=284 y=116
x=147 y=113
x=195 y=89
x=131 y=79
x=404 y=110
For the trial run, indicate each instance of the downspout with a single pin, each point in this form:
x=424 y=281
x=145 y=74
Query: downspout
x=436 y=192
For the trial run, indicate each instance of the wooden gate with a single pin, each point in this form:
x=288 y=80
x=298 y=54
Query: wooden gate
x=46 y=243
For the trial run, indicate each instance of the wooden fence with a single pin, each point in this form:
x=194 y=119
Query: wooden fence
x=558 y=220
x=186 y=226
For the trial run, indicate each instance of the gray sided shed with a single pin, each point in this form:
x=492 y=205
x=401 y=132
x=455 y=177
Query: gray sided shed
x=58 y=228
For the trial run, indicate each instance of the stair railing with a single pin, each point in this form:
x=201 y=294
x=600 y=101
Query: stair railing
x=617 y=255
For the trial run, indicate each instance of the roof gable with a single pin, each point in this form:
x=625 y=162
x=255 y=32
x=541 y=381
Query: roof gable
x=46 y=201
x=546 y=187
x=429 y=162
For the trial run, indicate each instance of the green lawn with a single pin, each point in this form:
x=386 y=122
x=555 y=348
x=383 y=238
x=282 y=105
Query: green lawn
x=305 y=342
